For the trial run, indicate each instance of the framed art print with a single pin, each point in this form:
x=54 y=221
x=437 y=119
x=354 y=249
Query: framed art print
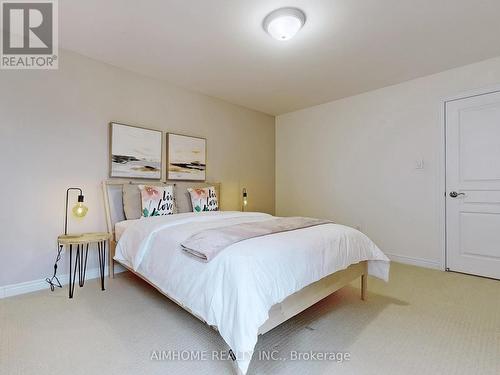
x=186 y=157
x=135 y=152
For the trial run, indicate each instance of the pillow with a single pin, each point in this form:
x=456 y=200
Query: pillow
x=204 y=199
x=183 y=198
x=157 y=200
x=132 y=206
x=132 y=202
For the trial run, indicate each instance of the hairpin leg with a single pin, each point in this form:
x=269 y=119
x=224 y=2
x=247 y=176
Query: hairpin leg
x=70 y=262
x=103 y=263
x=72 y=272
x=82 y=271
x=101 y=249
x=80 y=265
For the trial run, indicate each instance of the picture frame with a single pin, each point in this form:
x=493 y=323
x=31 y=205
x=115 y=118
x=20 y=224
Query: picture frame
x=186 y=157
x=135 y=152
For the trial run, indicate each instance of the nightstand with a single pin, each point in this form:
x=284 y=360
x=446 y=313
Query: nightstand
x=82 y=242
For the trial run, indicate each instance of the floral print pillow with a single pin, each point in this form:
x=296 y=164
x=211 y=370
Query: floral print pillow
x=157 y=200
x=204 y=199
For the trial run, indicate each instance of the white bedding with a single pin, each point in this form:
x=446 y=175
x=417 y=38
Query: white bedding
x=235 y=290
x=121 y=226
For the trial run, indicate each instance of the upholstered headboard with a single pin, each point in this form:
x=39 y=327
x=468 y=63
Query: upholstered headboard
x=113 y=197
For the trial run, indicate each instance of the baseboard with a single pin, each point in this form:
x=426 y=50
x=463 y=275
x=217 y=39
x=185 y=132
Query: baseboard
x=35 y=285
x=415 y=261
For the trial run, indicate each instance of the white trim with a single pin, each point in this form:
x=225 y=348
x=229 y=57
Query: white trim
x=471 y=93
x=441 y=220
x=35 y=285
x=419 y=262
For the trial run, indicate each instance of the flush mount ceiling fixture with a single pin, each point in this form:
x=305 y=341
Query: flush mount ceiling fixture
x=284 y=23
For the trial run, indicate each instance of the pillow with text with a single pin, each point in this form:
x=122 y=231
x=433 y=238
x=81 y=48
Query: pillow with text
x=157 y=200
x=204 y=199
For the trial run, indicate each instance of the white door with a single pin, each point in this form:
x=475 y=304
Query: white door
x=473 y=185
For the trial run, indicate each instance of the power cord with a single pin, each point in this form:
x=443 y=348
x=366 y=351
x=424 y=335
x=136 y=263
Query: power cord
x=54 y=281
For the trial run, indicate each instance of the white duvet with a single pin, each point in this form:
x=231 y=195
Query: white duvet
x=236 y=289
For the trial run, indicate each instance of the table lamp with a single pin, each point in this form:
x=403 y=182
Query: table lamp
x=245 y=199
x=79 y=210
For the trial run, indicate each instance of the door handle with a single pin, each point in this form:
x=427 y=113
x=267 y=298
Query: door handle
x=454 y=194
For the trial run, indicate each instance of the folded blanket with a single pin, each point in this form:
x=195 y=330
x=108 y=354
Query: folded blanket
x=210 y=242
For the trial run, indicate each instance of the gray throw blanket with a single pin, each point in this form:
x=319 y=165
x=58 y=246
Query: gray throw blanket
x=210 y=242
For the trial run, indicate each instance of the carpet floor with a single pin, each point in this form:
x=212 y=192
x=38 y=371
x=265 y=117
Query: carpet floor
x=421 y=322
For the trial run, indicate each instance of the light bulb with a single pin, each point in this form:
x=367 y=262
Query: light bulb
x=80 y=210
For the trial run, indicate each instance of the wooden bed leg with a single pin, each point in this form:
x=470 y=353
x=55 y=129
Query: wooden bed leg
x=111 y=262
x=112 y=269
x=364 y=283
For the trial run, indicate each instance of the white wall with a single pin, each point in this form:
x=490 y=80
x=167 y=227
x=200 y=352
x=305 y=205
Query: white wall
x=353 y=160
x=54 y=134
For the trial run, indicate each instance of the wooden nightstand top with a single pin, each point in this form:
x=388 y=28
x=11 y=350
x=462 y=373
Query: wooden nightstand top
x=83 y=238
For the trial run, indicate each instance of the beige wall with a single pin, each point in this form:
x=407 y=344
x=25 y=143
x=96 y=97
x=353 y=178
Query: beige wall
x=353 y=160
x=54 y=134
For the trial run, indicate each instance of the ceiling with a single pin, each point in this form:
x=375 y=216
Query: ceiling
x=218 y=47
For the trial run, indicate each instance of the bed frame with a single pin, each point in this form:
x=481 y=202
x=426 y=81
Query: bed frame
x=279 y=313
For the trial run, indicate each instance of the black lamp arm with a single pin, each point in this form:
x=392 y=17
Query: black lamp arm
x=80 y=199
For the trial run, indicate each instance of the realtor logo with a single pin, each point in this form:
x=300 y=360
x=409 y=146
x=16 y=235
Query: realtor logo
x=29 y=34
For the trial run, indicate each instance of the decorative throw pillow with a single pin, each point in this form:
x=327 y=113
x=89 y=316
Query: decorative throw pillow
x=157 y=200
x=204 y=199
x=132 y=205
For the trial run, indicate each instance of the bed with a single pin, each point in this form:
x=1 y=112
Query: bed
x=252 y=286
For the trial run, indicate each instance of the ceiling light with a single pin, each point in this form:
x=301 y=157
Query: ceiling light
x=284 y=23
